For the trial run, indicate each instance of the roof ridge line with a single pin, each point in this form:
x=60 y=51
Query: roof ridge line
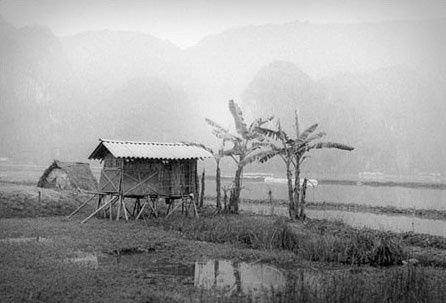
x=142 y=142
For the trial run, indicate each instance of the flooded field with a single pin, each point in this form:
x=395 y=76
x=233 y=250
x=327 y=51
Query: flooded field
x=400 y=197
x=359 y=219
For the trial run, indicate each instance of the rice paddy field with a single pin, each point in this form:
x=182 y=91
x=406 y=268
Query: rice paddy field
x=251 y=257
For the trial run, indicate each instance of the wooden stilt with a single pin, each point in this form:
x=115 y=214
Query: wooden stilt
x=184 y=203
x=80 y=207
x=153 y=210
x=142 y=209
x=119 y=208
x=173 y=209
x=155 y=204
x=135 y=207
x=195 y=208
x=124 y=208
x=111 y=212
x=99 y=209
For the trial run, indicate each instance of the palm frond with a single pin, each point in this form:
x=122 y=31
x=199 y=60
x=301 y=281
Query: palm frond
x=269 y=133
x=320 y=145
x=261 y=157
x=208 y=149
x=240 y=125
x=304 y=135
x=316 y=136
x=259 y=122
x=216 y=125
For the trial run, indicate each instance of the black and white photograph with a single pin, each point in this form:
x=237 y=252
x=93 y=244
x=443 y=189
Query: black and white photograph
x=223 y=151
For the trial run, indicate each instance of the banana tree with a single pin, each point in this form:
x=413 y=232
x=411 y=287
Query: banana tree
x=217 y=155
x=293 y=152
x=247 y=140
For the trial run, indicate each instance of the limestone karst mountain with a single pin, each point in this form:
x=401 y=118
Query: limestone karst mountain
x=377 y=86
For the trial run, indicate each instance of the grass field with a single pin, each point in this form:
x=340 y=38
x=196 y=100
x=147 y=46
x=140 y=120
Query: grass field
x=153 y=260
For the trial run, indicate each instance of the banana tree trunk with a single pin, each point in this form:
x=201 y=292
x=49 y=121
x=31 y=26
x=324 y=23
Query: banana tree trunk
x=302 y=214
x=218 y=185
x=297 y=187
x=289 y=176
x=235 y=193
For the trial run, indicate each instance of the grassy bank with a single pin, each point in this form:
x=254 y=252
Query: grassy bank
x=20 y=200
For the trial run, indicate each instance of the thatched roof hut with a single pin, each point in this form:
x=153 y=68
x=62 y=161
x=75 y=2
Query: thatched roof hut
x=68 y=175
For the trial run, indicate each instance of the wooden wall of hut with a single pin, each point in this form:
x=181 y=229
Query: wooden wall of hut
x=143 y=177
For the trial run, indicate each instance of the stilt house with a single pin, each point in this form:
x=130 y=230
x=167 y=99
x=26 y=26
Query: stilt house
x=148 y=169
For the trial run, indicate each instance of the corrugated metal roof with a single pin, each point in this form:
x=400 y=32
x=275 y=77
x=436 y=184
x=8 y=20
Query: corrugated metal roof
x=148 y=150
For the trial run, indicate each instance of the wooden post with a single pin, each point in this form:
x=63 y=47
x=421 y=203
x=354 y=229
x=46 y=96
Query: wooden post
x=124 y=208
x=270 y=196
x=99 y=202
x=142 y=209
x=203 y=175
x=195 y=208
x=81 y=206
x=111 y=212
x=196 y=182
x=152 y=207
x=120 y=193
x=172 y=210
x=119 y=208
x=99 y=209
x=135 y=207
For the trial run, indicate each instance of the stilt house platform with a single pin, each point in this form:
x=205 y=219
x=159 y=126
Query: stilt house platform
x=144 y=171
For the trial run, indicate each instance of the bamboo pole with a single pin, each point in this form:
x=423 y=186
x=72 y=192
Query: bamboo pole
x=99 y=209
x=142 y=209
x=80 y=207
x=173 y=209
x=124 y=208
x=202 y=189
x=195 y=208
x=111 y=212
x=119 y=208
x=153 y=210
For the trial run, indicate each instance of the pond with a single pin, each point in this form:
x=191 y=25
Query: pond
x=223 y=277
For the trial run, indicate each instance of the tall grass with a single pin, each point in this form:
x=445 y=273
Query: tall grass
x=361 y=247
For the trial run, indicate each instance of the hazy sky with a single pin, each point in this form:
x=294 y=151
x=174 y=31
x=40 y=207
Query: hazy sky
x=185 y=22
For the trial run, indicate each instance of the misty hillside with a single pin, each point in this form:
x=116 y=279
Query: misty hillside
x=393 y=116
x=379 y=87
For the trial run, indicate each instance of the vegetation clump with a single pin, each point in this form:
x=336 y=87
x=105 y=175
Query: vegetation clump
x=363 y=247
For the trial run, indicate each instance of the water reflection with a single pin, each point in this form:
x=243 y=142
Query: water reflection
x=222 y=277
x=238 y=277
